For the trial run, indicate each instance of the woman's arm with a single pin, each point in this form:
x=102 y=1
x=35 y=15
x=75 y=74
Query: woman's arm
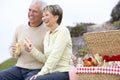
x=57 y=51
x=38 y=55
x=33 y=51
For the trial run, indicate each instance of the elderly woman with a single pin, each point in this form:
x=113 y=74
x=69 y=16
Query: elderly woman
x=57 y=47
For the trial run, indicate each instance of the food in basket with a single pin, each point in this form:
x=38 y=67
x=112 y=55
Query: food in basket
x=95 y=60
x=98 y=58
x=115 y=58
x=111 y=58
x=103 y=63
x=88 y=63
x=106 y=58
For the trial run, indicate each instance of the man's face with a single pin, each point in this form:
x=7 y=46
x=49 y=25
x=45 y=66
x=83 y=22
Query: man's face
x=34 y=14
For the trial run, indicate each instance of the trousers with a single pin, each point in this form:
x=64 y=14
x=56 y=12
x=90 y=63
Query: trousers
x=54 y=76
x=17 y=73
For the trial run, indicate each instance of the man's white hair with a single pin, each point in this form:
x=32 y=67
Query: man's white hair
x=41 y=2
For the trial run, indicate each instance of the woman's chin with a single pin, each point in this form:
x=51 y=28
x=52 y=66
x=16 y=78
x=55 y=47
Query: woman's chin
x=47 y=24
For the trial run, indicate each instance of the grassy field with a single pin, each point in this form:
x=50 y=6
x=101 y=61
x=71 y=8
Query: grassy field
x=8 y=63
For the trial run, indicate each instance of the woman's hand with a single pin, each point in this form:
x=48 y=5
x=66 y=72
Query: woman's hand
x=34 y=77
x=28 y=45
x=74 y=59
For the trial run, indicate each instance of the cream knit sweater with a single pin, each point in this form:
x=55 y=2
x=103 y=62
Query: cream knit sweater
x=36 y=36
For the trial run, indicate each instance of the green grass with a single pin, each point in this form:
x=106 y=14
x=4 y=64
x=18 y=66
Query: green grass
x=8 y=63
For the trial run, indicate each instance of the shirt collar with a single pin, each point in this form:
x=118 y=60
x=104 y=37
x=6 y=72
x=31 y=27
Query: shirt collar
x=36 y=26
x=57 y=29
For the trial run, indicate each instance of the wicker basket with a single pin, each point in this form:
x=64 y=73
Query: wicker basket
x=104 y=42
x=98 y=77
x=107 y=42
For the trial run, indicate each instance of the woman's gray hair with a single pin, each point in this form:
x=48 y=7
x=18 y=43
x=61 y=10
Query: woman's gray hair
x=55 y=10
x=41 y=2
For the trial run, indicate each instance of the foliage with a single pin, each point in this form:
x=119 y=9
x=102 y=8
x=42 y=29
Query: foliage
x=115 y=14
x=78 y=30
x=83 y=51
x=116 y=23
x=8 y=63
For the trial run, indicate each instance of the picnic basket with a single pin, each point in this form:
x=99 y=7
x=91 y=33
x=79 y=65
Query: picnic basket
x=104 y=42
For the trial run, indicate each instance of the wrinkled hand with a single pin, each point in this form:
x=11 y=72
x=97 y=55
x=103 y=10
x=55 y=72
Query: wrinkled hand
x=34 y=77
x=27 y=45
x=15 y=50
x=12 y=49
x=74 y=59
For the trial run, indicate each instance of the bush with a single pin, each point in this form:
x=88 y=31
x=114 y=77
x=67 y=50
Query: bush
x=82 y=51
x=78 y=30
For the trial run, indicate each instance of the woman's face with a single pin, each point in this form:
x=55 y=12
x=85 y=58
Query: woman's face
x=49 y=19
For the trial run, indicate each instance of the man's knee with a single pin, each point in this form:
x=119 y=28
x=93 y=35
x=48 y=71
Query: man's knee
x=10 y=74
x=1 y=78
x=2 y=75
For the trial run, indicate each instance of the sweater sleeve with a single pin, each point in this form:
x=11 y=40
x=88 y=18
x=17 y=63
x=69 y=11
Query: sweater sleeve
x=57 y=51
x=14 y=41
x=38 y=55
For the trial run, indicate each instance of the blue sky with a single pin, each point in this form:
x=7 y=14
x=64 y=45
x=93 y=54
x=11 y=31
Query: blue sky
x=14 y=12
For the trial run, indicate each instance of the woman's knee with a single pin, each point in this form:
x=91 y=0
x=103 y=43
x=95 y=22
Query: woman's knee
x=54 y=76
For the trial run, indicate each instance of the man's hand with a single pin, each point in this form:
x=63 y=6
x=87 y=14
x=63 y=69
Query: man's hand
x=15 y=50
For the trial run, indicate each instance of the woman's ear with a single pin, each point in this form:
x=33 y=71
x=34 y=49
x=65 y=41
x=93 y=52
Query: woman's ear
x=56 y=17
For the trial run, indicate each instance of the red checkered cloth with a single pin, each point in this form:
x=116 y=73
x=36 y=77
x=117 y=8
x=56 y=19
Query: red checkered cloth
x=100 y=70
